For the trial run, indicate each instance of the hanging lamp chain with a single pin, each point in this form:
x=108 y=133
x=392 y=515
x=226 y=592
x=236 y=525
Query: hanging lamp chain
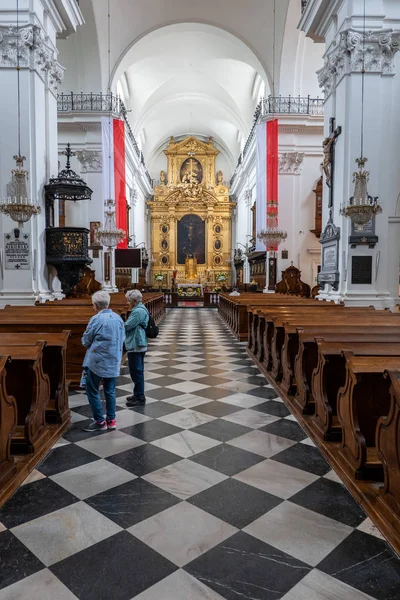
x=274 y=52
x=363 y=81
x=18 y=68
x=109 y=93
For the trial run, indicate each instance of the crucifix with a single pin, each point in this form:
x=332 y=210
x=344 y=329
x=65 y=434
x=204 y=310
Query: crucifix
x=328 y=146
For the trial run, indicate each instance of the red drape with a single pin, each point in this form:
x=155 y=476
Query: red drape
x=120 y=178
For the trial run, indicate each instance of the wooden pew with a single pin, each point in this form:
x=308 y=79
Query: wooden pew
x=8 y=424
x=361 y=402
x=330 y=376
x=54 y=365
x=256 y=312
x=309 y=362
x=388 y=445
x=298 y=321
x=263 y=314
x=368 y=413
x=72 y=317
x=30 y=387
x=53 y=322
x=291 y=344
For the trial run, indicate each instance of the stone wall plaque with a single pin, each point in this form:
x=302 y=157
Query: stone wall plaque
x=361 y=270
x=363 y=235
x=330 y=255
x=17 y=246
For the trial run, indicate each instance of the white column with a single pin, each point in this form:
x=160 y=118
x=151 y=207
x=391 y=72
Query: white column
x=39 y=22
x=341 y=80
x=40 y=75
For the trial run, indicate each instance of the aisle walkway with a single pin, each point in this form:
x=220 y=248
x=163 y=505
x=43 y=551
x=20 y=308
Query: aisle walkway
x=212 y=491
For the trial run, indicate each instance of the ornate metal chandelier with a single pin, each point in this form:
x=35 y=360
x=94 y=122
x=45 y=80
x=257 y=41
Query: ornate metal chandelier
x=17 y=205
x=272 y=235
x=361 y=207
x=109 y=235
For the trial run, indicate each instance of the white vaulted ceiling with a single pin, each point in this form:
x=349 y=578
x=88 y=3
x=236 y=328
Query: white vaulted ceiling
x=188 y=79
x=190 y=66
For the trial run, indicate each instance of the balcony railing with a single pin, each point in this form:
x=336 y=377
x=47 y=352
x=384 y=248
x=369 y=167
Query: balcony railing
x=279 y=105
x=303 y=5
x=103 y=103
x=89 y=103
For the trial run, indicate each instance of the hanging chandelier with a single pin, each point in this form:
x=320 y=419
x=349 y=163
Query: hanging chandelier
x=361 y=207
x=17 y=205
x=272 y=235
x=109 y=235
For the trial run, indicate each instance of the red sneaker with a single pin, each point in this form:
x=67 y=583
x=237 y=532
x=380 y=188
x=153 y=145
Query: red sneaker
x=111 y=424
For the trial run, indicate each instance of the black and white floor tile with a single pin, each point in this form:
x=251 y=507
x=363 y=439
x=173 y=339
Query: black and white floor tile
x=211 y=491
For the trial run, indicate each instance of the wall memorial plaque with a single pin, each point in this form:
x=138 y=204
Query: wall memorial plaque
x=363 y=235
x=329 y=241
x=17 y=250
x=361 y=270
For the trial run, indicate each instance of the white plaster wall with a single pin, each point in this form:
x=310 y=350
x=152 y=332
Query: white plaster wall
x=301 y=58
x=79 y=54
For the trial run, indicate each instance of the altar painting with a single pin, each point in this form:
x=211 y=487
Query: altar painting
x=191 y=239
x=191 y=171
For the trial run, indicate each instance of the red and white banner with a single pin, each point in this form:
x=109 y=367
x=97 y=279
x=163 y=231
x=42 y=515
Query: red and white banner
x=267 y=178
x=114 y=174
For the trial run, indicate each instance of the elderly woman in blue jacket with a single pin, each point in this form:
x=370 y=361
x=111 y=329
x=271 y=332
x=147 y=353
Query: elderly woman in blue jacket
x=104 y=339
x=136 y=345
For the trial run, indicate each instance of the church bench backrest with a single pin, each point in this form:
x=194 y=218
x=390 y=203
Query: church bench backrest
x=54 y=365
x=361 y=402
x=388 y=448
x=8 y=423
x=29 y=385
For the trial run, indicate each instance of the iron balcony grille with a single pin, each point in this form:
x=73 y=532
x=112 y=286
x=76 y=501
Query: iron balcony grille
x=89 y=103
x=102 y=103
x=280 y=105
x=303 y=5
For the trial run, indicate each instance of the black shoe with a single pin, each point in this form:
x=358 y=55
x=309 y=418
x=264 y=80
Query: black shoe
x=132 y=401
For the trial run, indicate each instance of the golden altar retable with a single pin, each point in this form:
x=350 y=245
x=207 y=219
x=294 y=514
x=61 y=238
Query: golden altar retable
x=191 y=216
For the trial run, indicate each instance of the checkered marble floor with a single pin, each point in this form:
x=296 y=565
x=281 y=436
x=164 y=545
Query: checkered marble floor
x=210 y=491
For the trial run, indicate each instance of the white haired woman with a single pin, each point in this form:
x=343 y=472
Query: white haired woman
x=104 y=339
x=136 y=345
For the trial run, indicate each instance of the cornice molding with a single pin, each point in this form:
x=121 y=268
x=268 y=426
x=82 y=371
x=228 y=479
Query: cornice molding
x=65 y=15
x=78 y=126
x=301 y=129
